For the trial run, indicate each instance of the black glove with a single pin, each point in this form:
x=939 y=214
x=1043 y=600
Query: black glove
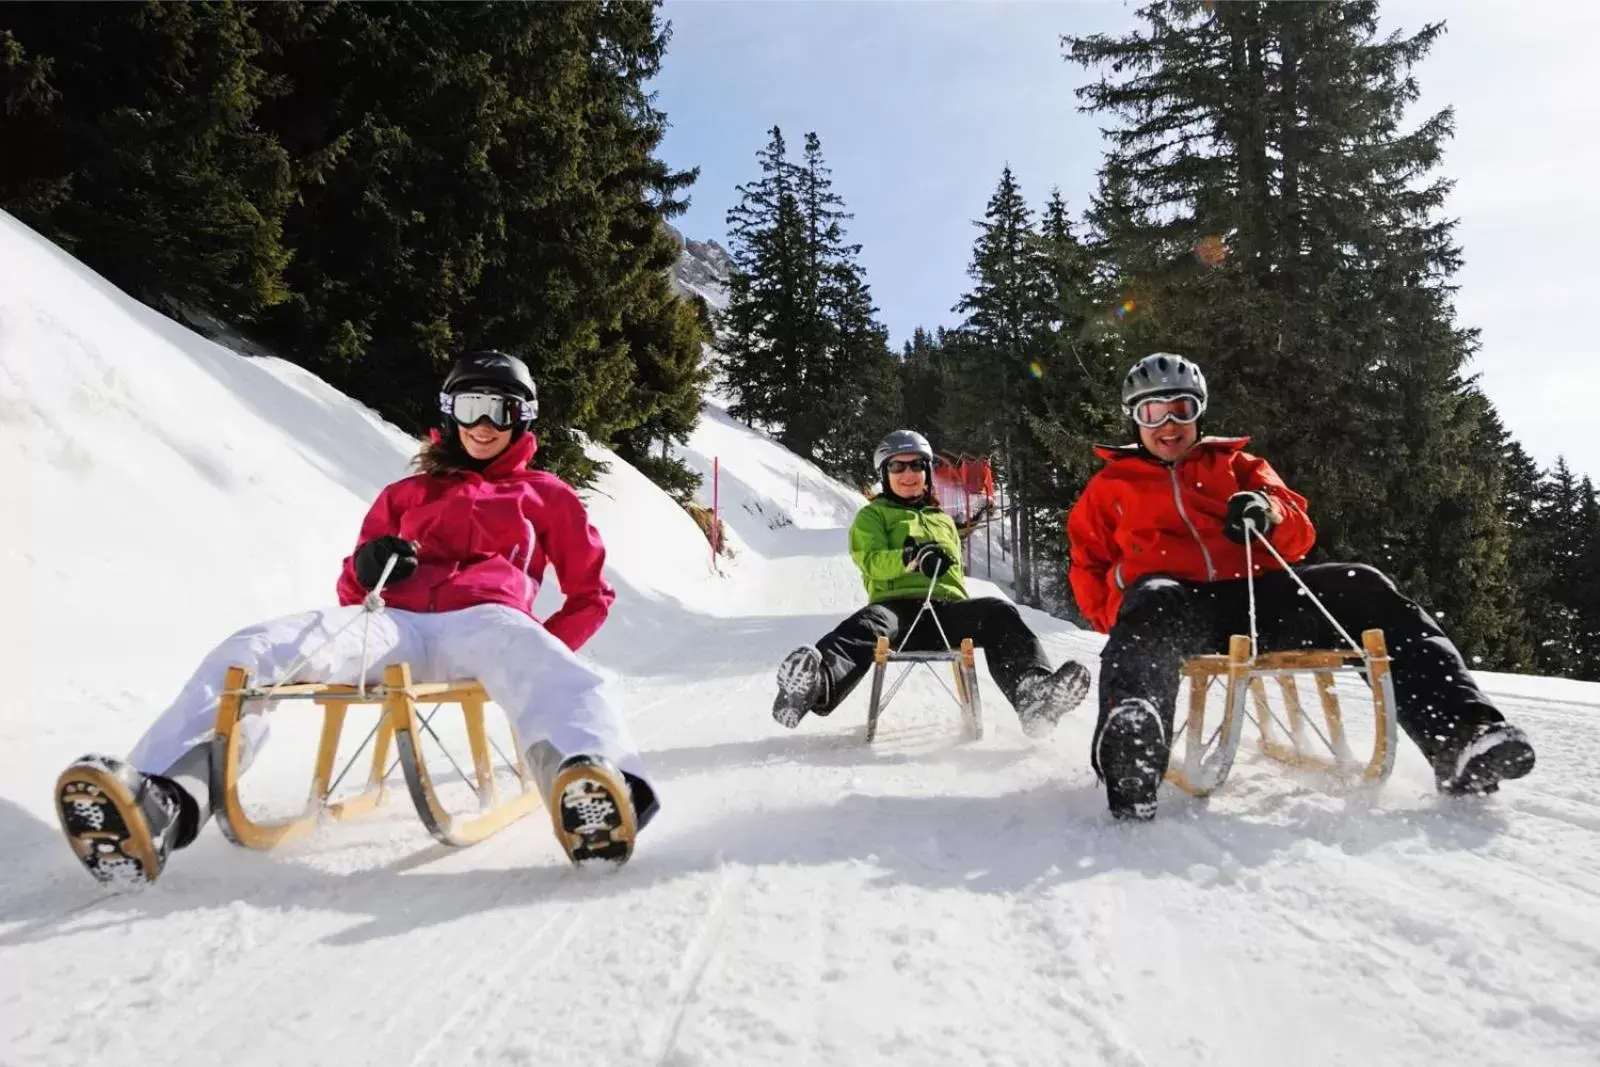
x=371 y=557
x=1246 y=505
x=908 y=551
x=931 y=559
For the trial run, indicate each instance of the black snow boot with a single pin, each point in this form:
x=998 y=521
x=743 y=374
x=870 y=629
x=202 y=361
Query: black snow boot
x=120 y=823
x=1131 y=756
x=801 y=686
x=1500 y=752
x=1042 y=699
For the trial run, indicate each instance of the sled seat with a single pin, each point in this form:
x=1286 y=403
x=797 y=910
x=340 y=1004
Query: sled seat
x=963 y=666
x=398 y=724
x=1207 y=758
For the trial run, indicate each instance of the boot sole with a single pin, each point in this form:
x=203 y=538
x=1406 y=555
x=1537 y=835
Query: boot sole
x=1070 y=693
x=790 y=706
x=1078 y=688
x=586 y=842
x=788 y=715
x=103 y=824
x=1130 y=788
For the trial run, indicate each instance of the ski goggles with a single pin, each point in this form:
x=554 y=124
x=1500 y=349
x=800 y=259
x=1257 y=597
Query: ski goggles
x=1152 y=411
x=900 y=466
x=504 y=412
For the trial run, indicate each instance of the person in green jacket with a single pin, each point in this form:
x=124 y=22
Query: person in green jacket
x=903 y=542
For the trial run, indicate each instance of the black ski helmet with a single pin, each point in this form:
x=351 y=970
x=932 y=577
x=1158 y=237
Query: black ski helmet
x=495 y=372
x=499 y=370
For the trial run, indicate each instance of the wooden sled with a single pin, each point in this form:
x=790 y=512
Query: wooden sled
x=1207 y=758
x=963 y=666
x=398 y=724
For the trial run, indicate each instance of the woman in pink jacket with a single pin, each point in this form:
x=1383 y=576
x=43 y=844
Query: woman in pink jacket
x=470 y=535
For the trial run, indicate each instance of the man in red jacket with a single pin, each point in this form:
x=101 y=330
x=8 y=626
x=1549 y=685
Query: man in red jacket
x=1158 y=564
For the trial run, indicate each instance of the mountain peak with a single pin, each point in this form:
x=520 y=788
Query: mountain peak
x=702 y=270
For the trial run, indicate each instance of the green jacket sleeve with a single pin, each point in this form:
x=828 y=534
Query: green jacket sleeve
x=870 y=548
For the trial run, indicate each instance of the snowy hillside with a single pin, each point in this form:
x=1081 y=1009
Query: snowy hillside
x=802 y=898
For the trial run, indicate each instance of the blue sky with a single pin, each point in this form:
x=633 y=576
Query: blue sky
x=919 y=104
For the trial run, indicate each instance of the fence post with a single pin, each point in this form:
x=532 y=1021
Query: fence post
x=966 y=520
x=988 y=541
x=716 y=512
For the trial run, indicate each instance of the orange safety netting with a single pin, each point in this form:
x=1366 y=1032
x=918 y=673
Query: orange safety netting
x=963 y=483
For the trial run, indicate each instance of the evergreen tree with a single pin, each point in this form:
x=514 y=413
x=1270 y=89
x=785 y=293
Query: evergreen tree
x=132 y=142
x=1586 y=584
x=862 y=399
x=1004 y=336
x=1003 y=317
x=1561 y=625
x=378 y=187
x=836 y=312
x=1521 y=490
x=803 y=353
x=1079 y=371
x=763 y=331
x=1281 y=228
x=922 y=370
x=665 y=341
x=392 y=139
x=475 y=176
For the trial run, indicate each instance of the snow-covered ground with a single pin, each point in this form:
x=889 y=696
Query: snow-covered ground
x=802 y=899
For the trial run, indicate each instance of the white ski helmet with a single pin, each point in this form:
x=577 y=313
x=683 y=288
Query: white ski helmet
x=902 y=441
x=1162 y=373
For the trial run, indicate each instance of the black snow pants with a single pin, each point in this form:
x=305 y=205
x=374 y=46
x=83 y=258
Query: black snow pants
x=1010 y=648
x=1163 y=621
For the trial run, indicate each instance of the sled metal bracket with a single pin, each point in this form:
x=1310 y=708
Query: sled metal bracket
x=963 y=665
x=1208 y=758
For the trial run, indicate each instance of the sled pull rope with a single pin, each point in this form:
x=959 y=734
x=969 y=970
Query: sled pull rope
x=369 y=607
x=927 y=605
x=1250 y=583
x=1250 y=528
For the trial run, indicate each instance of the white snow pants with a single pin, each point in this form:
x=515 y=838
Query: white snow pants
x=547 y=692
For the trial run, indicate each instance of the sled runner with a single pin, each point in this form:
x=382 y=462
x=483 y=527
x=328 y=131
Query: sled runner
x=962 y=665
x=1207 y=758
x=400 y=725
